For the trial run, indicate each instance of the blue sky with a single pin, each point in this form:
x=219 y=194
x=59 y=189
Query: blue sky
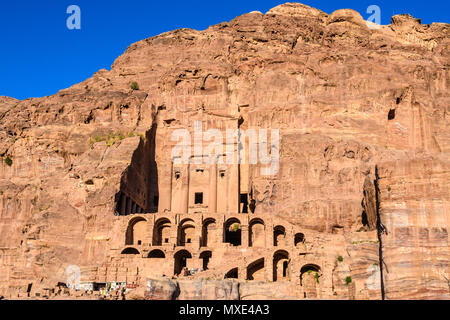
x=40 y=55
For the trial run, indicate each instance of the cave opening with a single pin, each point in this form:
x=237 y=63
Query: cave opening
x=364 y=219
x=391 y=114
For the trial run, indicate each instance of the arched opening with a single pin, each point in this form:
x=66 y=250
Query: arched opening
x=281 y=266
x=129 y=251
x=181 y=261
x=232 y=274
x=299 y=239
x=156 y=254
x=186 y=232
x=161 y=232
x=135 y=231
x=255 y=270
x=205 y=256
x=309 y=280
x=279 y=236
x=233 y=232
x=208 y=232
x=256 y=234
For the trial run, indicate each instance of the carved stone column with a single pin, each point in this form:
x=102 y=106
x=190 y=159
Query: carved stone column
x=213 y=188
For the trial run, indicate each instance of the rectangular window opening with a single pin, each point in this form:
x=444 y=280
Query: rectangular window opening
x=198 y=198
x=244 y=202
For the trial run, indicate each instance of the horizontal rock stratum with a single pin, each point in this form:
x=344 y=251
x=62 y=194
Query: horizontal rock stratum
x=359 y=208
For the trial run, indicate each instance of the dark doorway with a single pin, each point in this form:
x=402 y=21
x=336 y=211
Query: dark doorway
x=209 y=227
x=279 y=235
x=233 y=232
x=299 y=239
x=199 y=198
x=244 y=202
x=181 y=260
x=205 y=256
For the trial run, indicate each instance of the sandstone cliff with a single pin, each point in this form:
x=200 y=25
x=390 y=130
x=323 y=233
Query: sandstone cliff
x=364 y=157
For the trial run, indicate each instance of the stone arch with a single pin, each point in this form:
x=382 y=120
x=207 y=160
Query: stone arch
x=255 y=270
x=156 y=254
x=186 y=232
x=130 y=250
x=206 y=257
x=279 y=236
x=256 y=233
x=232 y=274
x=281 y=265
x=135 y=231
x=309 y=280
x=299 y=239
x=161 y=232
x=181 y=261
x=232 y=232
x=209 y=233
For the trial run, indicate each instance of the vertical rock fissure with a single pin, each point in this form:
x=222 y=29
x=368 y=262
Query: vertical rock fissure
x=380 y=230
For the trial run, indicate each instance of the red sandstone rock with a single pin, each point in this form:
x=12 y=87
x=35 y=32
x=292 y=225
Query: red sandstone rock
x=358 y=209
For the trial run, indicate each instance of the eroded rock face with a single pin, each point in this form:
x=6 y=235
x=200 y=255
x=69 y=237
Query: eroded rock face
x=208 y=290
x=161 y=289
x=415 y=238
x=364 y=157
x=202 y=289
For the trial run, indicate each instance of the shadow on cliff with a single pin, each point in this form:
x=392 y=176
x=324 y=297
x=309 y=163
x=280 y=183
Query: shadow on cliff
x=139 y=191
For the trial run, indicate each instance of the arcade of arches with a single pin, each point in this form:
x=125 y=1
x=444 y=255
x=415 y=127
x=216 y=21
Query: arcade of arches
x=241 y=246
x=199 y=220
